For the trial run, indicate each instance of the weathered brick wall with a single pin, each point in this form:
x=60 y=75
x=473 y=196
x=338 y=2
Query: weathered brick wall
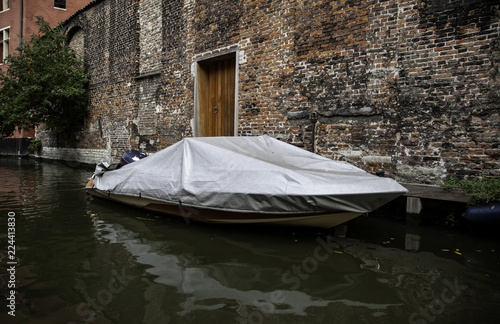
x=408 y=86
x=110 y=39
x=267 y=89
x=177 y=79
x=150 y=36
x=76 y=40
x=396 y=85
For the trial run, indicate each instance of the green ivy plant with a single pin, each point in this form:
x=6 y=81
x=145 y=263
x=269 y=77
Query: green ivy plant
x=482 y=191
x=45 y=83
x=35 y=145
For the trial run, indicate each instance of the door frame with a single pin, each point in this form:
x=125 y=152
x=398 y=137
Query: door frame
x=196 y=68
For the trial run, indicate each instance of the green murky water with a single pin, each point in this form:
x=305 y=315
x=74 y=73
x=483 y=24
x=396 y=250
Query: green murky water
x=78 y=260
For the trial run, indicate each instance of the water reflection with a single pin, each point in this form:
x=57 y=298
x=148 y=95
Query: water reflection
x=217 y=285
x=88 y=261
x=276 y=275
x=237 y=276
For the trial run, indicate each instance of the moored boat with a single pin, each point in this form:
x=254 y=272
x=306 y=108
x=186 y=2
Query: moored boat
x=245 y=180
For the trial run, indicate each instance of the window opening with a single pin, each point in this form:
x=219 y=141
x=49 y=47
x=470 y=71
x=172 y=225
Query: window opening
x=4 y=44
x=5 y=5
x=61 y=4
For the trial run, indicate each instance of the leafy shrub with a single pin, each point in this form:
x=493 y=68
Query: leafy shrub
x=45 y=84
x=483 y=191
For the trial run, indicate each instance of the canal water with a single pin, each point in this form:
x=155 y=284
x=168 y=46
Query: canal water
x=72 y=259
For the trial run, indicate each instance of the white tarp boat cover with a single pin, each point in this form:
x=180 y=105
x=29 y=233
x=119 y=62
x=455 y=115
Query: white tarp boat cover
x=249 y=174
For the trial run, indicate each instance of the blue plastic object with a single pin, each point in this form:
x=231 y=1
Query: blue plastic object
x=489 y=213
x=132 y=156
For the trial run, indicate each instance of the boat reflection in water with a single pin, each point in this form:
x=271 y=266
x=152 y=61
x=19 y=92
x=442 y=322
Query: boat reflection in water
x=211 y=274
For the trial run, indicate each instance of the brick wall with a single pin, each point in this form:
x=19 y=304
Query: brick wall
x=111 y=41
x=150 y=36
x=408 y=86
x=76 y=40
x=76 y=156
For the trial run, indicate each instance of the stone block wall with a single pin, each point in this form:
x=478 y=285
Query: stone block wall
x=407 y=86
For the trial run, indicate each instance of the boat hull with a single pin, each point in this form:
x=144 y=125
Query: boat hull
x=320 y=220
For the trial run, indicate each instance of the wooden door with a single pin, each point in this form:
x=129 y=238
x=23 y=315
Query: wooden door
x=216 y=96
